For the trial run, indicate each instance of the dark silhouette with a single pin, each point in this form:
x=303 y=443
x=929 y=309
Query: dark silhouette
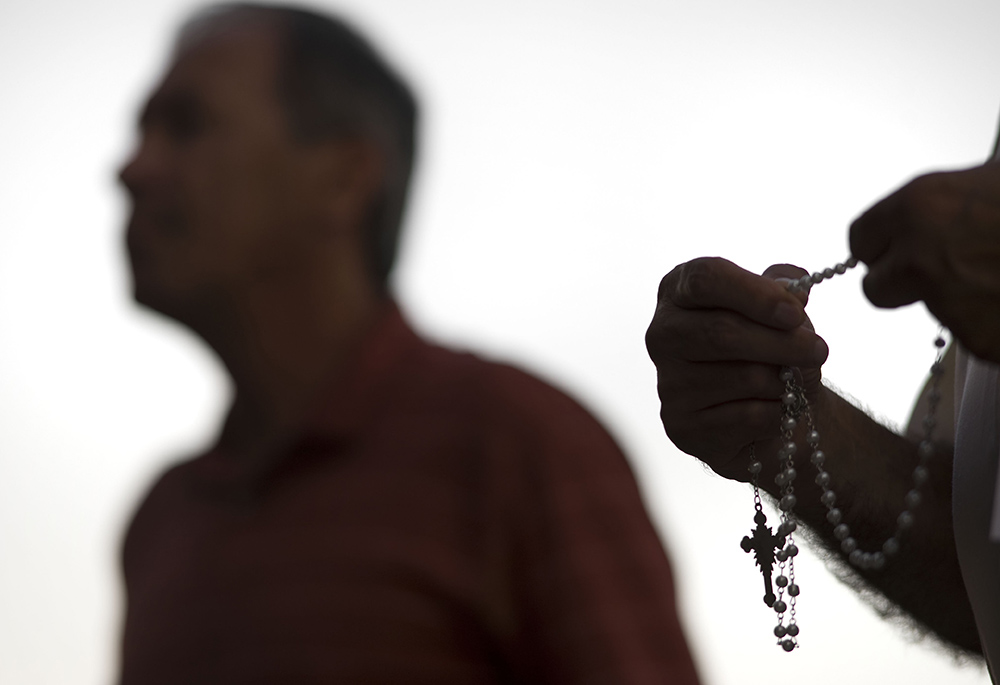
x=376 y=509
x=933 y=240
x=763 y=543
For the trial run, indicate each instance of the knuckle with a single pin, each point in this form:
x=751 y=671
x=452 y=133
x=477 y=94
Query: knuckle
x=931 y=198
x=670 y=389
x=666 y=285
x=697 y=280
x=721 y=333
x=661 y=339
x=924 y=185
x=650 y=339
x=659 y=342
x=683 y=433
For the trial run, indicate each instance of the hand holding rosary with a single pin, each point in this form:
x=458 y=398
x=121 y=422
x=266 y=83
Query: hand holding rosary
x=779 y=546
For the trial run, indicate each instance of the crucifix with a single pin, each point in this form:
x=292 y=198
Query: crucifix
x=763 y=543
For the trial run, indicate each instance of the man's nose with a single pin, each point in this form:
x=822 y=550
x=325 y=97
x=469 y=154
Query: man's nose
x=138 y=168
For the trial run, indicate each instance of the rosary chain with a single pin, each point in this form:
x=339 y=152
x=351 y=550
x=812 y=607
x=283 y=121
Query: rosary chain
x=796 y=409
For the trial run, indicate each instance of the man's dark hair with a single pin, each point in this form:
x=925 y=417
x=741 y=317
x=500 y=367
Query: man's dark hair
x=332 y=82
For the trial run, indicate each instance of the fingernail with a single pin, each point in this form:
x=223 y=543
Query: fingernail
x=787 y=315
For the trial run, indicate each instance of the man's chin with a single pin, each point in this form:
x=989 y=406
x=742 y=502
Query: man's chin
x=149 y=297
x=192 y=312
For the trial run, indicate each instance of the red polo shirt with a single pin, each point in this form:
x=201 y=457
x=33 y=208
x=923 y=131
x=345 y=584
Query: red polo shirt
x=443 y=520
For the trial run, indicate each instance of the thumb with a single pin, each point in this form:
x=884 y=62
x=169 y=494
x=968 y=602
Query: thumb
x=786 y=274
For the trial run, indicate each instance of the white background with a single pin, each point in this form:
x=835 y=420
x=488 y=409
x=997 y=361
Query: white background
x=573 y=152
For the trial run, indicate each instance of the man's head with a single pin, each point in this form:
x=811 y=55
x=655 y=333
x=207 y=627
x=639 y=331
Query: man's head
x=275 y=129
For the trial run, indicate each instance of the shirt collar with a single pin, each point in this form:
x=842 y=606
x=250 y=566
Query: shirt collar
x=340 y=413
x=347 y=403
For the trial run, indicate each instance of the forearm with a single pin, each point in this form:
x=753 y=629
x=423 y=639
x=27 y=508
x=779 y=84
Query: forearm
x=871 y=471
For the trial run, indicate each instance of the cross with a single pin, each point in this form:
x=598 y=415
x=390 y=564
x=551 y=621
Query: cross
x=763 y=543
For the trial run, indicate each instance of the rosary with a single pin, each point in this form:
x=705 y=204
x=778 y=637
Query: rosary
x=779 y=546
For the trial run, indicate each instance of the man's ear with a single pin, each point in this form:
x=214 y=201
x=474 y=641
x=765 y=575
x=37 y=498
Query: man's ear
x=352 y=174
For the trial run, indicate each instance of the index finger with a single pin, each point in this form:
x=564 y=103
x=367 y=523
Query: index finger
x=870 y=234
x=716 y=283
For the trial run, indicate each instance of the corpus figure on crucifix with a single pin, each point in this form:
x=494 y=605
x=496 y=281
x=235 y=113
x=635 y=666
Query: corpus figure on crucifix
x=763 y=543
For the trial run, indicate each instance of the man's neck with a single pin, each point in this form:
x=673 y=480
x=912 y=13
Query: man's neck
x=290 y=343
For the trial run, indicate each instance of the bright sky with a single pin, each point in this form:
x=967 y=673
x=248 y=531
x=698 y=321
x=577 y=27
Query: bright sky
x=573 y=152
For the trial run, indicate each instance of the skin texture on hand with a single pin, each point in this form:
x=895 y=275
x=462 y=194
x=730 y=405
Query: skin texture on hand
x=937 y=239
x=718 y=338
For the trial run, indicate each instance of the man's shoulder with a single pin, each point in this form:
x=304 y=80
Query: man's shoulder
x=467 y=371
x=494 y=391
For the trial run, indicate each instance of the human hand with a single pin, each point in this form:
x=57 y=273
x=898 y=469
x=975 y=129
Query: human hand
x=718 y=339
x=937 y=239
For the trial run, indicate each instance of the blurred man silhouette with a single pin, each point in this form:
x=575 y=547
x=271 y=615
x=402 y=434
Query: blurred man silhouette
x=375 y=509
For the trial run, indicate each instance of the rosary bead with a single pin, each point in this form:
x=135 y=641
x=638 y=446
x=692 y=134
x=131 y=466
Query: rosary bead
x=817 y=277
x=828 y=273
x=797 y=409
x=852 y=262
x=890 y=547
x=786 y=527
x=840 y=268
